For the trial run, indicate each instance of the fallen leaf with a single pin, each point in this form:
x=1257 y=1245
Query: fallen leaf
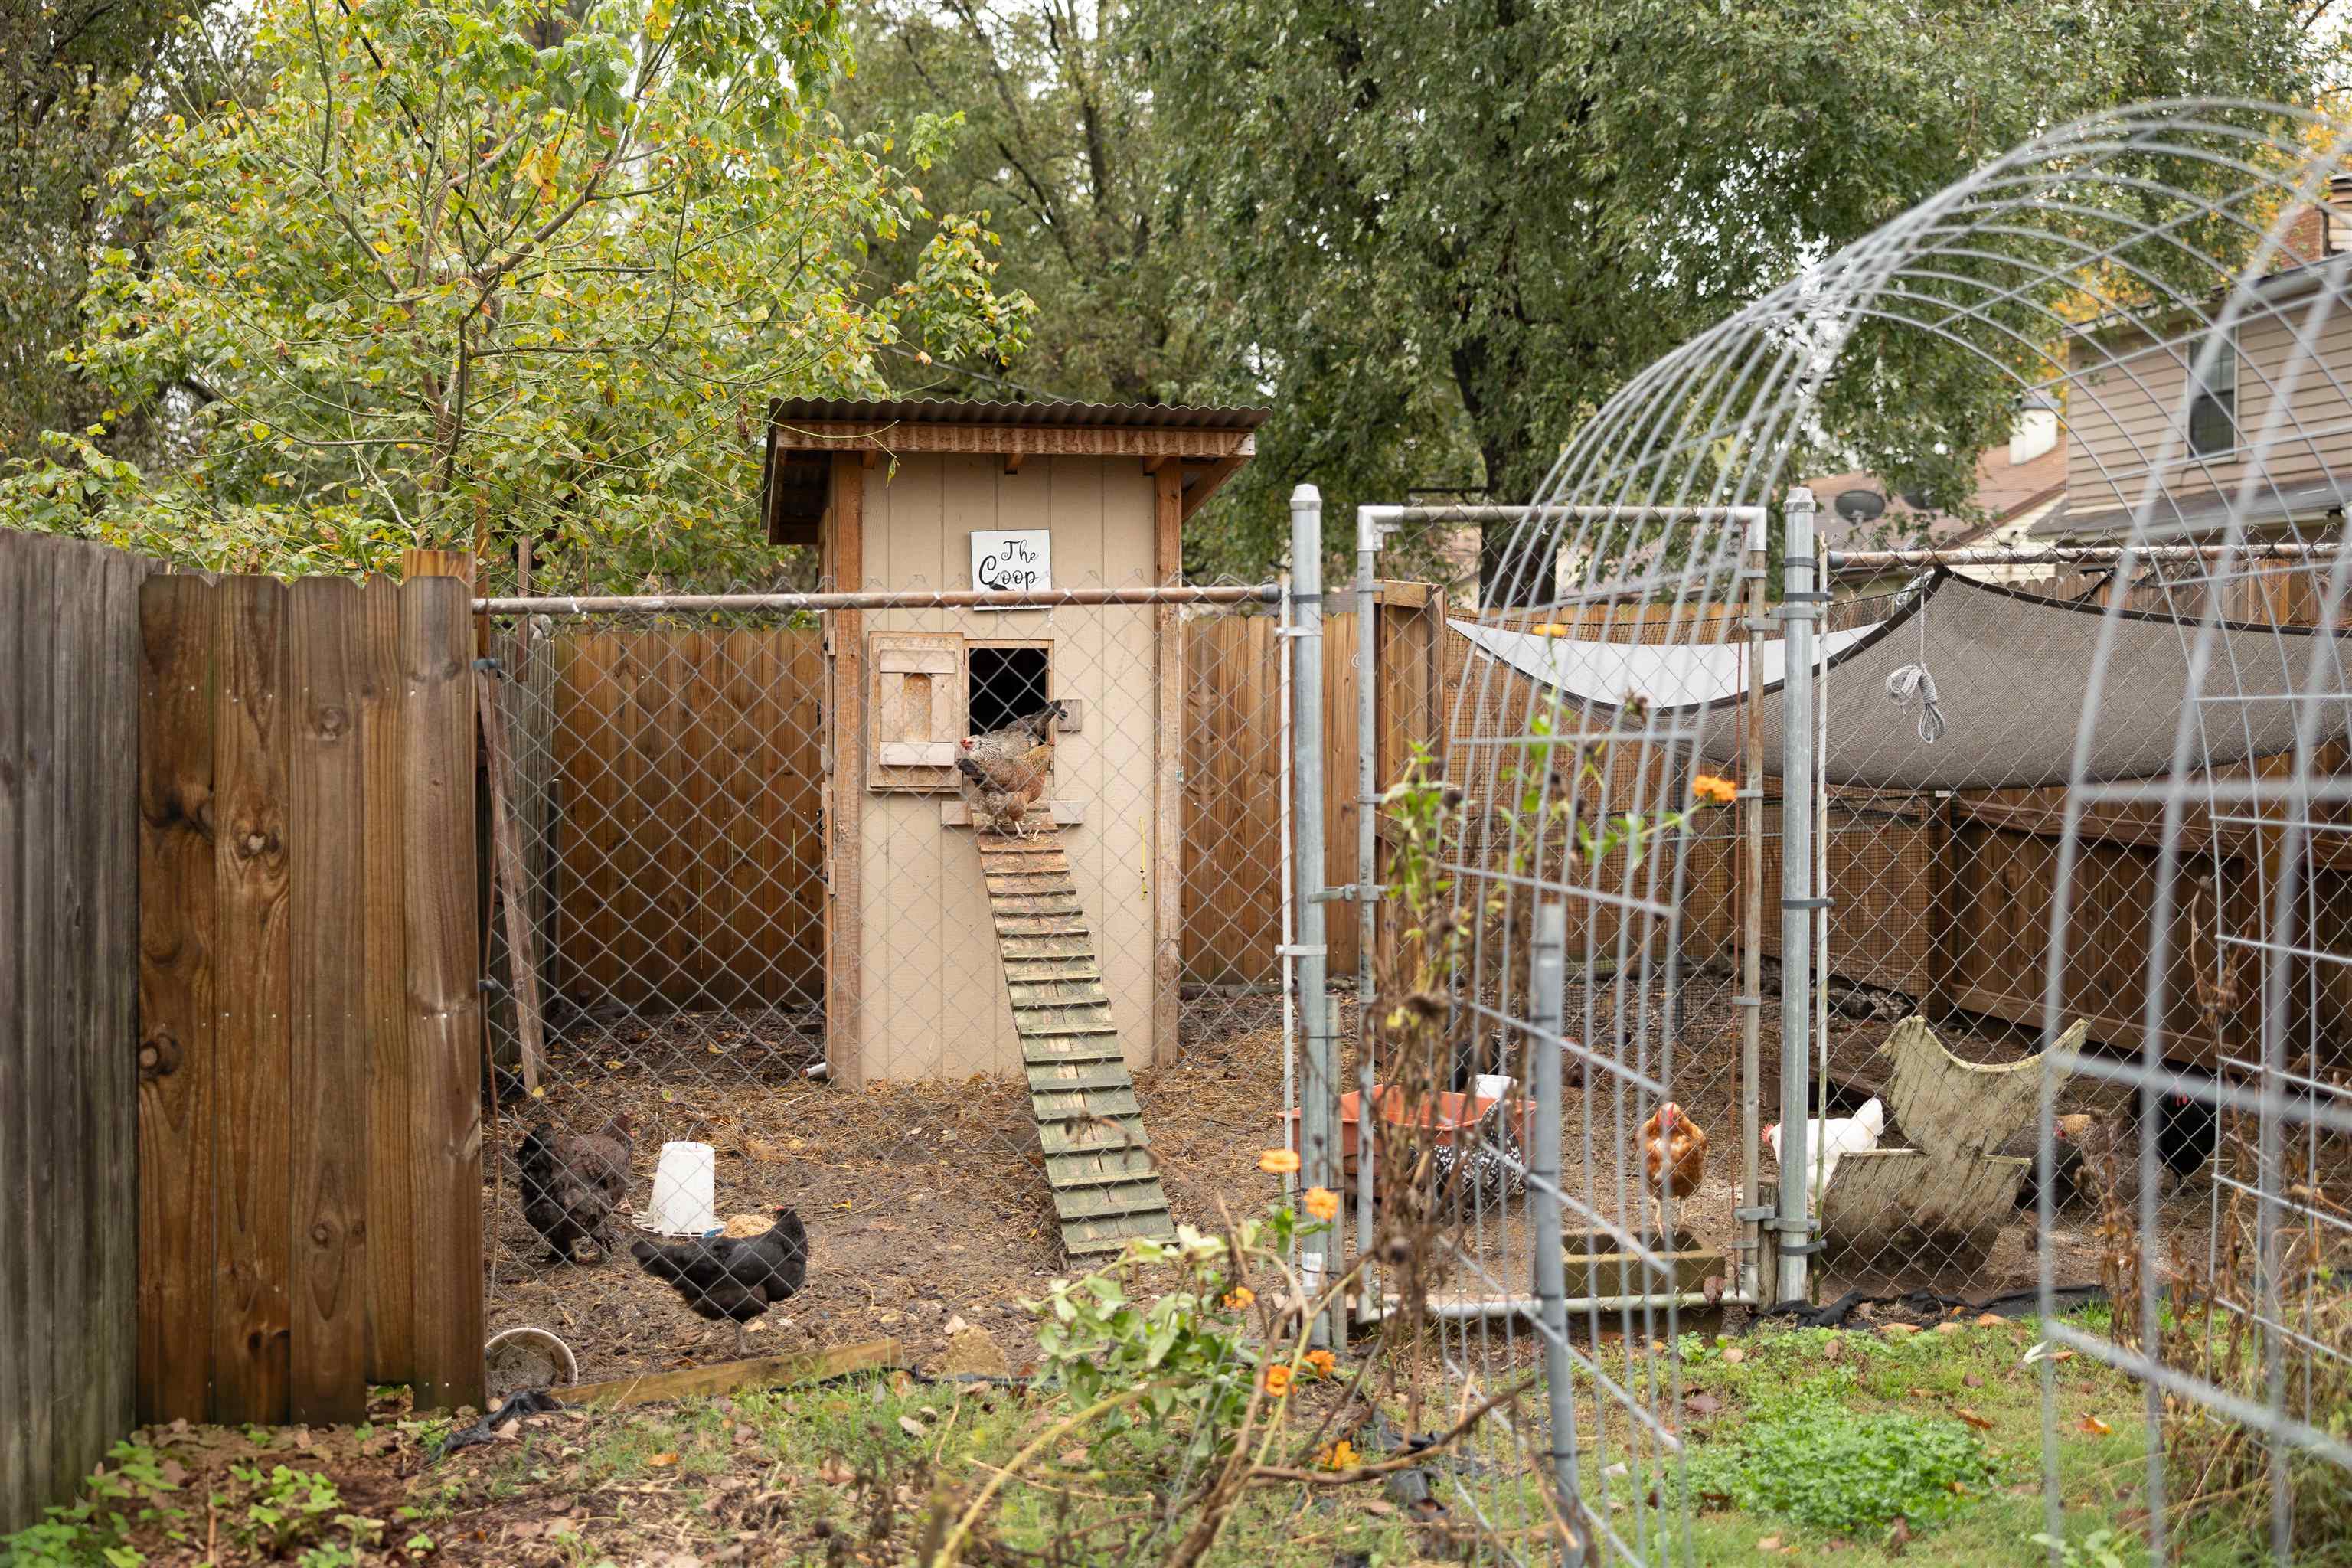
x=1899 y=1537
x=1769 y=1543
x=1833 y=1350
x=1376 y=1508
x=1970 y=1380
x=661 y=1461
x=1074 y=1459
x=833 y=1473
x=955 y=1326
x=1947 y=1327
x=1989 y=1320
x=1898 y=1331
x=912 y=1428
x=1919 y=1393
x=1702 y=1404
x=1735 y=1355
x=1973 y=1419
x=2061 y=1356
x=2096 y=1428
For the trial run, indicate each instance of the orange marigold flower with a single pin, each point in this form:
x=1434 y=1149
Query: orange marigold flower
x=1240 y=1297
x=1277 y=1161
x=1339 y=1456
x=1322 y=1203
x=1322 y=1363
x=1708 y=787
x=1277 y=1380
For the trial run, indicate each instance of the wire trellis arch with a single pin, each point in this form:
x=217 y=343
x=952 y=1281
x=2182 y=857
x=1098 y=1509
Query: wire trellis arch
x=2109 y=267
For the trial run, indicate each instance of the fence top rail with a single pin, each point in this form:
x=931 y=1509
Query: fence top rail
x=874 y=599
x=1858 y=561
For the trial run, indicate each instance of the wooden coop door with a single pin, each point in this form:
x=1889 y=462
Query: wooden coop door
x=917 y=714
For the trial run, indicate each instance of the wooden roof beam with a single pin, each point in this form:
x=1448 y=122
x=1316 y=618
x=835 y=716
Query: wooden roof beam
x=1212 y=478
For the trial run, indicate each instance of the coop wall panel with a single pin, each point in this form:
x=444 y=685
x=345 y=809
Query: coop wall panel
x=934 y=1002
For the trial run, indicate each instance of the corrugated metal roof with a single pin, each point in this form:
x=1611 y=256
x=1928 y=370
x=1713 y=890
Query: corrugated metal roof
x=968 y=411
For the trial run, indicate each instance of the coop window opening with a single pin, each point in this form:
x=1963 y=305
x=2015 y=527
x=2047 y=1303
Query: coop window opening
x=1007 y=680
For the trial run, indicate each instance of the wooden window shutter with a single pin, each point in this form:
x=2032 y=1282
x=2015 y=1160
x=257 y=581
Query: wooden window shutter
x=916 y=715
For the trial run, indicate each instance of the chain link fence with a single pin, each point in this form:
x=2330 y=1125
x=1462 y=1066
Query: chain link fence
x=663 y=961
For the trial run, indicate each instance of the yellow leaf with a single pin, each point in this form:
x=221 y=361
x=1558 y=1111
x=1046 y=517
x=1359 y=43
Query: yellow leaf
x=2095 y=1428
x=539 y=166
x=659 y=1460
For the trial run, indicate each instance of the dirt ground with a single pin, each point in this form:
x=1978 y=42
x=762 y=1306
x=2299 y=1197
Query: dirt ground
x=926 y=1205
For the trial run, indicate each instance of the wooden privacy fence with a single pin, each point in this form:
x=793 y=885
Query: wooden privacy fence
x=310 y=1036
x=1233 y=762
x=688 y=855
x=68 y=1012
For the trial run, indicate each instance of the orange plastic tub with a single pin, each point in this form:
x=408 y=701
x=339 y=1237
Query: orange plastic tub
x=1452 y=1116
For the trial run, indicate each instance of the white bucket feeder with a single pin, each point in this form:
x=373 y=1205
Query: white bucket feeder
x=685 y=1191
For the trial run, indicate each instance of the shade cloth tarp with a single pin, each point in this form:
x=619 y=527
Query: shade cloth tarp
x=2013 y=672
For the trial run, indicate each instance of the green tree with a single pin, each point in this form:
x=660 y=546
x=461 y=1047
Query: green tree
x=463 y=268
x=72 y=89
x=1061 y=149
x=1495 y=212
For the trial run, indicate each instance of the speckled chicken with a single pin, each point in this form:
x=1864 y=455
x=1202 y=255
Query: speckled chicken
x=1005 y=771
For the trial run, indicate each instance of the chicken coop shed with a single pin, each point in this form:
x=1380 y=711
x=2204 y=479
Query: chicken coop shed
x=921 y=505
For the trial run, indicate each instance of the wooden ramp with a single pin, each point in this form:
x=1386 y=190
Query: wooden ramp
x=1105 y=1183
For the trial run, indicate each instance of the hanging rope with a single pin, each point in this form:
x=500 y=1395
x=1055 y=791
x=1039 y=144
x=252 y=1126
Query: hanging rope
x=1912 y=683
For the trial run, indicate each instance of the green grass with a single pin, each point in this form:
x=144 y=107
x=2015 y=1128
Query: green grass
x=1806 y=1440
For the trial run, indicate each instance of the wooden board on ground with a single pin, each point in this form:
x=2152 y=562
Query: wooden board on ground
x=1106 y=1185
x=727 y=1377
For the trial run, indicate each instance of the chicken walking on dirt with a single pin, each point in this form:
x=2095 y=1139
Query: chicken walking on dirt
x=730 y=1279
x=1004 y=772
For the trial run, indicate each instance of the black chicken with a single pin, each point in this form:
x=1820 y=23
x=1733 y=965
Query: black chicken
x=731 y=1278
x=572 y=1184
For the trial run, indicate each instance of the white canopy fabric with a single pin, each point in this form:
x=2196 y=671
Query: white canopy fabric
x=2012 y=673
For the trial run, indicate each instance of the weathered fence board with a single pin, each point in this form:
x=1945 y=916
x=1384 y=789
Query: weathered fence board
x=394 y=1235
x=310 y=1049
x=254 y=1212
x=69 y=1211
x=326 y=1355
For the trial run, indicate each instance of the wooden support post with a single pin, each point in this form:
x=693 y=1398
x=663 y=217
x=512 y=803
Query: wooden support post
x=845 y=927
x=513 y=887
x=1168 y=769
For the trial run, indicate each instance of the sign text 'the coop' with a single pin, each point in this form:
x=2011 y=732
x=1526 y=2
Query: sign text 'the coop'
x=1012 y=560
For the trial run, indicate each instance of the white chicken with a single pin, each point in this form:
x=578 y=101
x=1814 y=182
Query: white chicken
x=1830 y=1142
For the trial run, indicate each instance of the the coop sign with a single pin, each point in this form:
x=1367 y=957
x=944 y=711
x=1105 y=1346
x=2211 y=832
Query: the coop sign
x=1012 y=560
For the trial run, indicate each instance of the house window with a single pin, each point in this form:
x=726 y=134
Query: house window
x=2213 y=412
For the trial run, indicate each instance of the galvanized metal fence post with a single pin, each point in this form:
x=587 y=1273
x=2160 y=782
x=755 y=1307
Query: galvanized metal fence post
x=1756 y=1264
x=1799 y=605
x=1368 y=536
x=1318 y=1088
x=1547 y=1010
